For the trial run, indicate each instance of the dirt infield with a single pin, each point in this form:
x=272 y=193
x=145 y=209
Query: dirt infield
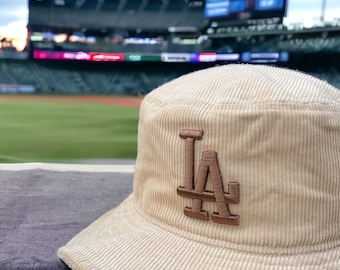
x=106 y=100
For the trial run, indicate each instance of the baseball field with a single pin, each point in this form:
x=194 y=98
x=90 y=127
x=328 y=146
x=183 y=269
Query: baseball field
x=65 y=128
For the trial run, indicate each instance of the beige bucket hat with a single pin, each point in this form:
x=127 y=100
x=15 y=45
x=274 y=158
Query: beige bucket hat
x=238 y=167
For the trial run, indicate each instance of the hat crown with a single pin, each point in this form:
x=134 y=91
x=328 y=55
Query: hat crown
x=259 y=145
x=244 y=84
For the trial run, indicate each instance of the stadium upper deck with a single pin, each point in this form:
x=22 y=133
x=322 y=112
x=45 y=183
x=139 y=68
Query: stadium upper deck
x=155 y=15
x=142 y=31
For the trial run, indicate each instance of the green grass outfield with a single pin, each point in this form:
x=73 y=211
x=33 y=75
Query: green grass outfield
x=56 y=132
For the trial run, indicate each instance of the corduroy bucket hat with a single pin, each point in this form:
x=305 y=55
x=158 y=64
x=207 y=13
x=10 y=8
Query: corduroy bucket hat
x=238 y=167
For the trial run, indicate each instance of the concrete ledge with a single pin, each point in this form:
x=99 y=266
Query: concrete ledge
x=43 y=205
x=121 y=168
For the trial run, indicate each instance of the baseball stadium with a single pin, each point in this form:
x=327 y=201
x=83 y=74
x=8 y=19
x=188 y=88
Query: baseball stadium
x=71 y=89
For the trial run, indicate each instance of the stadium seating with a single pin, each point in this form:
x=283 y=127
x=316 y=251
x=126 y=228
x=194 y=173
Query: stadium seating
x=5 y=76
x=155 y=6
x=330 y=75
x=18 y=72
x=151 y=14
x=117 y=79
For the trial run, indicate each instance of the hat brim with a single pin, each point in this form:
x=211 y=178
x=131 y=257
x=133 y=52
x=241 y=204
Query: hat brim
x=124 y=238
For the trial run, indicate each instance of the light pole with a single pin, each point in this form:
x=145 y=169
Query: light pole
x=323 y=9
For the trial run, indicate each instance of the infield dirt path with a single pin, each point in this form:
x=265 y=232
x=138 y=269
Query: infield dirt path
x=107 y=100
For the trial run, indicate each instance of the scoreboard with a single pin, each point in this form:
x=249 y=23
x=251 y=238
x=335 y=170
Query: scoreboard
x=243 y=10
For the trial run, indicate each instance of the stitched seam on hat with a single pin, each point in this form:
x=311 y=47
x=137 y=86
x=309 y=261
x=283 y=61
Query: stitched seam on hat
x=317 y=104
x=323 y=106
x=244 y=248
x=282 y=256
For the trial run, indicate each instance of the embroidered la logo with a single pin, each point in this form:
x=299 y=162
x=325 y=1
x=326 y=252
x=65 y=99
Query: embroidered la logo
x=196 y=191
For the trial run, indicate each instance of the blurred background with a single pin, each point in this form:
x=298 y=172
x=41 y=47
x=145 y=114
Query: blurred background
x=129 y=47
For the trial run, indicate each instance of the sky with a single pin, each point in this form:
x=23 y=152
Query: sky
x=14 y=14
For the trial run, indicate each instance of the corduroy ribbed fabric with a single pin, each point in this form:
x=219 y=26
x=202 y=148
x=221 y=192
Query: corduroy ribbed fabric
x=276 y=133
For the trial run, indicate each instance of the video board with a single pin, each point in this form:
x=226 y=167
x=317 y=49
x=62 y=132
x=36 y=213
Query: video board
x=170 y=57
x=243 y=10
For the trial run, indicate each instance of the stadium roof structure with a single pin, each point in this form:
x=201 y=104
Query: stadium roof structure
x=149 y=15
